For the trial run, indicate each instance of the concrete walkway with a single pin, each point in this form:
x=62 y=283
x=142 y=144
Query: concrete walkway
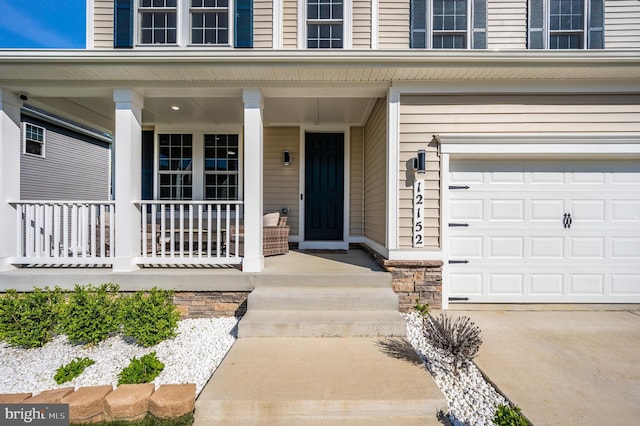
x=320 y=381
x=577 y=365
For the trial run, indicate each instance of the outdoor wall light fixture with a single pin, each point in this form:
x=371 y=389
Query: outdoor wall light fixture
x=175 y=107
x=286 y=157
x=420 y=162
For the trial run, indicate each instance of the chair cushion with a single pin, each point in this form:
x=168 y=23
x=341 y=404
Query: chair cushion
x=270 y=219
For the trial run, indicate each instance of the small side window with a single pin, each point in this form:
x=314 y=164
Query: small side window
x=33 y=140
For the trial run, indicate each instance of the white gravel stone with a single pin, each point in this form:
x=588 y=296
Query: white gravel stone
x=472 y=401
x=191 y=357
x=198 y=349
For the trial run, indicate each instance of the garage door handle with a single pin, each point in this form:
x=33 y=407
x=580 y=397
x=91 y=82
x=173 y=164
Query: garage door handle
x=567 y=220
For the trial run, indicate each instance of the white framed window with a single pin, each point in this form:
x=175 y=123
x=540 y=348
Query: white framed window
x=33 y=140
x=324 y=24
x=448 y=24
x=566 y=24
x=209 y=21
x=185 y=22
x=158 y=21
x=198 y=166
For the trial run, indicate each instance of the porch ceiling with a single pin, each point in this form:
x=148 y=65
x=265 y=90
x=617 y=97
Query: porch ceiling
x=323 y=87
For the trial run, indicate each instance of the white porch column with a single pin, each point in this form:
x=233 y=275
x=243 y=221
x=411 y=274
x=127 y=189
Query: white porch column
x=127 y=164
x=253 y=198
x=393 y=154
x=9 y=174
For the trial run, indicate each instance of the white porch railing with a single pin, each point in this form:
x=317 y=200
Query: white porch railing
x=64 y=232
x=190 y=232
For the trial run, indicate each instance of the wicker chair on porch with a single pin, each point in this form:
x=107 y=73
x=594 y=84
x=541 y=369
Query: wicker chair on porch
x=275 y=236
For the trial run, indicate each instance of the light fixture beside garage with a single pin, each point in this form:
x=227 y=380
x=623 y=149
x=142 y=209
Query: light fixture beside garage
x=286 y=158
x=420 y=162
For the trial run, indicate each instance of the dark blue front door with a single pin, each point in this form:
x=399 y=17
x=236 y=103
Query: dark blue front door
x=324 y=186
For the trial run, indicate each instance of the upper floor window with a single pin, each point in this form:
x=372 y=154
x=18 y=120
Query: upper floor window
x=158 y=21
x=183 y=22
x=209 y=21
x=33 y=140
x=448 y=24
x=325 y=24
x=566 y=24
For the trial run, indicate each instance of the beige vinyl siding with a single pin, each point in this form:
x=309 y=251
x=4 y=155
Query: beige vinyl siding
x=413 y=138
x=361 y=24
x=356 y=176
x=103 y=24
x=423 y=116
x=375 y=174
x=506 y=24
x=393 y=24
x=72 y=169
x=622 y=24
x=262 y=24
x=281 y=183
x=290 y=24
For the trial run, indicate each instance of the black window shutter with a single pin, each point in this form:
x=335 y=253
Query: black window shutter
x=418 y=24
x=479 y=24
x=596 y=24
x=244 y=23
x=147 y=164
x=536 y=24
x=123 y=24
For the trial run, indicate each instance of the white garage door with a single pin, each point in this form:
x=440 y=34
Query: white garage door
x=544 y=231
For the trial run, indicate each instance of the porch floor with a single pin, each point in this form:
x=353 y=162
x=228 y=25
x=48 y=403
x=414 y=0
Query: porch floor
x=294 y=267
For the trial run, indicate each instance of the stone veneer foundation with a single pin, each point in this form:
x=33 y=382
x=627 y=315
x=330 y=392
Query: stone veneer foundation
x=211 y=304
x=414 y=280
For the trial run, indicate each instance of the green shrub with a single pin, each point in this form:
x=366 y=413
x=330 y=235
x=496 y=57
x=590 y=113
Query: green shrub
x=91 y=313
x=72 y=370
x=142 y=370
x=150 y=317
x=29 y=319
x=506 y=415
x=421 y=308
x=460 y=339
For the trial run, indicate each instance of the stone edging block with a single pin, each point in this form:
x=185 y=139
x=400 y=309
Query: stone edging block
x=86 y=405
x=54 y=396
x=128 y=402
x=14 y=398
x=173 y=400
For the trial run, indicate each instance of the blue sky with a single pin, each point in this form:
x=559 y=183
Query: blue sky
x=42 y=24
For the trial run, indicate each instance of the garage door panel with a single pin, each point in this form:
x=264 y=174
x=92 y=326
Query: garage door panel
x=586 y=247
x=546 y=284
x=466 y=284
x=625 y=248
x=587 y=210
x=467 y=247
x=505 y=284
x=586 y=284
x=546 y=210
x=625 y=210
x=506 y=247
x=518 y=247
x=506 y=210
x=625 y=284
x=546 y=247
x=467 y=210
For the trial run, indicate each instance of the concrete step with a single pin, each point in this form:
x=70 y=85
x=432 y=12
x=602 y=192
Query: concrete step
x=322 y=299
x=336 y=278
x=329 y=381
x=300 y=323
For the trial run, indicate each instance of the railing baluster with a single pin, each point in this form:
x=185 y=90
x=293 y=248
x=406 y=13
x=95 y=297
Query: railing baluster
x=144 y=244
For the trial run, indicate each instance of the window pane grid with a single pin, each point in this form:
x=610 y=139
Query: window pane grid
x=325 y=24
x=221 y=167
x=158 y=27
x=175 y=166
x=566 y=24
x=210 y=27
x=449 y=24
x=34 y=140
x=324 y=36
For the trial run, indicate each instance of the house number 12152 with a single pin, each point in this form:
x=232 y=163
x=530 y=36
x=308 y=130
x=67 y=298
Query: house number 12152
x=418 y=213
